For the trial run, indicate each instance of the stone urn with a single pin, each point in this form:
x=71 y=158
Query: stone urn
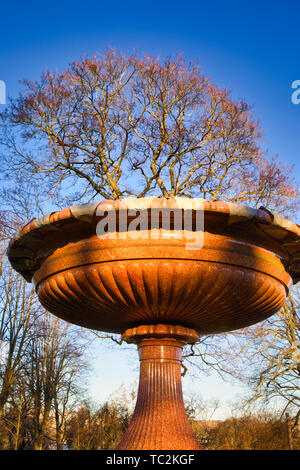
x=160 y=272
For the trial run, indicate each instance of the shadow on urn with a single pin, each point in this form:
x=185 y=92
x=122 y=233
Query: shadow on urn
x=161 y=272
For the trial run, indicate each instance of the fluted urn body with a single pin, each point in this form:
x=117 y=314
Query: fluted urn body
x=161 y=272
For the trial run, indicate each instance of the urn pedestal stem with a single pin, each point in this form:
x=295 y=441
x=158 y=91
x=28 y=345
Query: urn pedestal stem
x=159 y=420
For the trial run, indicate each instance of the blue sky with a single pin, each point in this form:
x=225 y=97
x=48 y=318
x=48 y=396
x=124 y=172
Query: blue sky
x=252 y=47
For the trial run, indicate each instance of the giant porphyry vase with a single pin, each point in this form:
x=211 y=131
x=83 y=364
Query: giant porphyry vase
x=160 y=272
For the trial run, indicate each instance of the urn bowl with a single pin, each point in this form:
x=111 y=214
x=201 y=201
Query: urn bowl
x=230 y=267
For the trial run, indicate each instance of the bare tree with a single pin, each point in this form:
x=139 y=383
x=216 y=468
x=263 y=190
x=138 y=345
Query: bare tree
x=16 y=313
x=268 y=359
x=112 y=123
x=54 y=364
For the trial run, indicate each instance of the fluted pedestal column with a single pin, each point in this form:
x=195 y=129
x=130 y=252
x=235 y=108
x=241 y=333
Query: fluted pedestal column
x=159 y=420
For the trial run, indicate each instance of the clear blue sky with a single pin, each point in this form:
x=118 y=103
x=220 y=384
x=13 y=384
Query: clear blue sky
x=252 y=47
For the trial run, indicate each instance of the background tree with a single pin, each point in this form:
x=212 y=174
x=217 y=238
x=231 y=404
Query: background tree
x=54 y=362
x=40 y=360
x=17 y=311
x=97 y=428
x=270 y=352
x=47 y=388
x=262 y=431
